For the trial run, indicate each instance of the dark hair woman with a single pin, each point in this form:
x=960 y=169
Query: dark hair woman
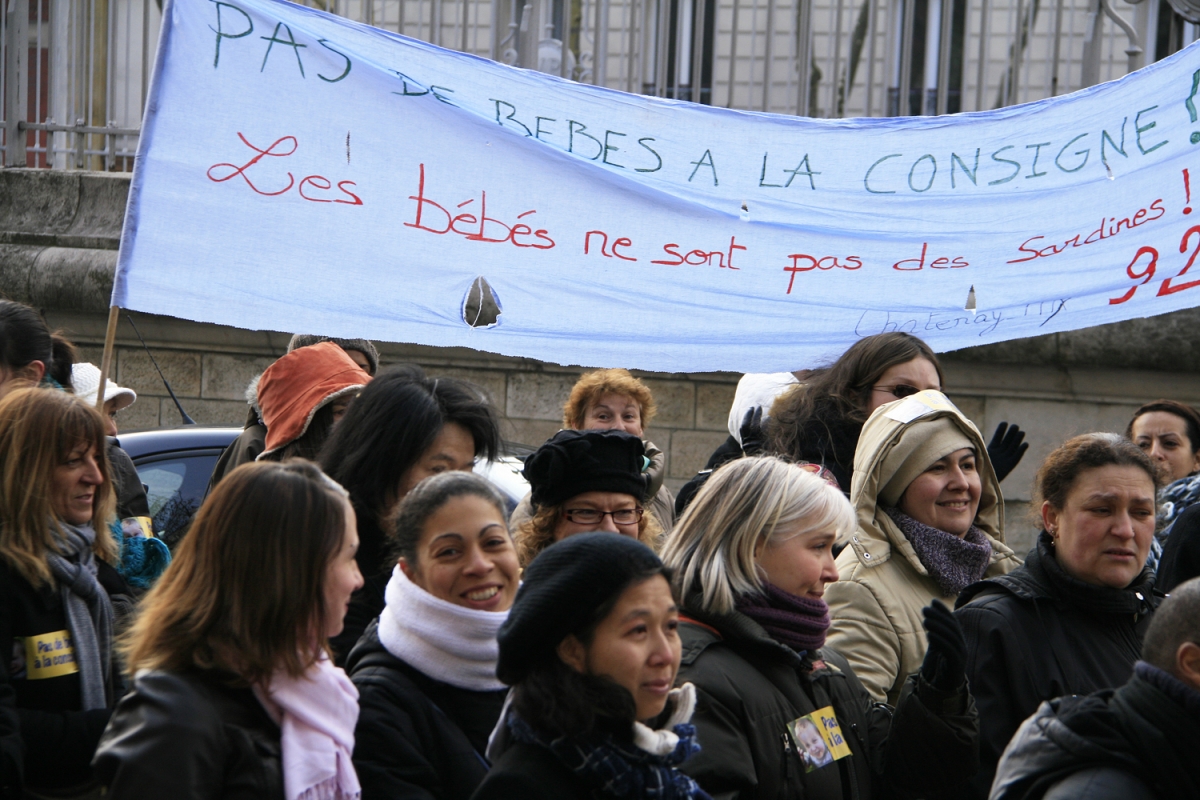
x=819 y=421
x=591 y=649
x=752 y=557
x=57 y=575
x=1169 y=432
x=403 y=428
x=1070 y=620
x=233 y=694
x=426 y=669
x=29 y=353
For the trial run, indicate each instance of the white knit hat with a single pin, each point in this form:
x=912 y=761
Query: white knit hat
x=85 y=379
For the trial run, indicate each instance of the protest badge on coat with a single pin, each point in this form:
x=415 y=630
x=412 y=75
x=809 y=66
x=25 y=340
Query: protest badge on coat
x=818 y=738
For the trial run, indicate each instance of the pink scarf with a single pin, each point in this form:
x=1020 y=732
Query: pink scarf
x=316 y=714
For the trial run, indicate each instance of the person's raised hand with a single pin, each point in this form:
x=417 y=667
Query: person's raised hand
x=1005 y=450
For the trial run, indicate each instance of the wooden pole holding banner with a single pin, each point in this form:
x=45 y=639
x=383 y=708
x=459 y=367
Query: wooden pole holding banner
x=110 y=339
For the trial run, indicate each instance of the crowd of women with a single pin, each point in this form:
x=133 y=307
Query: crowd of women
x=829 y=610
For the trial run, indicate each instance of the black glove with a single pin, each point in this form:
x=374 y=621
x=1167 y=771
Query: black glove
x=945 y=665
x=1006 y=449
x=754 y=438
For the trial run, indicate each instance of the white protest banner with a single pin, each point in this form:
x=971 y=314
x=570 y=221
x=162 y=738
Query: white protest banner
x=300 y=172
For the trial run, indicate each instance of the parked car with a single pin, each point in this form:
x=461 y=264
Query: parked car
x=174 y=465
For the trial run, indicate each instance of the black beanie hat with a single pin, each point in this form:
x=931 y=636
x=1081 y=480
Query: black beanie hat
x=574 y=462
x=560 y=592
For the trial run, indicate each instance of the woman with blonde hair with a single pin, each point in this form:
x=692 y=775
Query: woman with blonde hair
x=752 y=557
x=57 y=581
x=234 y=695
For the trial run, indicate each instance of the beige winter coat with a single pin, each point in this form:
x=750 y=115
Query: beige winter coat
x=876 y=605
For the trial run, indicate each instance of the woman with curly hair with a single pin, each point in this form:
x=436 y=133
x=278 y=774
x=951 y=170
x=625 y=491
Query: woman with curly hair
x=586 y=481
x=614 y=400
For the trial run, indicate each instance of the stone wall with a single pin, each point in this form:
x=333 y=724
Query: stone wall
x=58 y=238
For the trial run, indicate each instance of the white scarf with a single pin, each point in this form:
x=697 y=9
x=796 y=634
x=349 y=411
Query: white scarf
x=663 y=741
x=447 y=642
x=316 y=714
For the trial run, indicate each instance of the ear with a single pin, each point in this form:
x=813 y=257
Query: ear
x=407 y=569
x=1187 y=664
x=1050 y=517
x=34 y=371
x=573 y=653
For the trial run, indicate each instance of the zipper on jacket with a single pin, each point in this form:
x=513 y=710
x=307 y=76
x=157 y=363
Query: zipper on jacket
x=787 y=759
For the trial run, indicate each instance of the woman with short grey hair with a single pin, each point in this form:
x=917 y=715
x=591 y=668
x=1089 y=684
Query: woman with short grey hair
x=751 y=557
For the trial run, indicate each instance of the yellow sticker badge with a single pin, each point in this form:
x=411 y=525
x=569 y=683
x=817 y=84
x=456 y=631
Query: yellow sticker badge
x=818 y=738
x=49 y=655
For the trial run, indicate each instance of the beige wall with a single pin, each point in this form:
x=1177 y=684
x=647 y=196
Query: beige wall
x=209 y=367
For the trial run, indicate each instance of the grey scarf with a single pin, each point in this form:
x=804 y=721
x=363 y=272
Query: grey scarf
x=952 y=562
x=89 y=611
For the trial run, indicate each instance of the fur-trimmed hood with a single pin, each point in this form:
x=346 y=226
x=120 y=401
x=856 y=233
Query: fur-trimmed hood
x=291 y=391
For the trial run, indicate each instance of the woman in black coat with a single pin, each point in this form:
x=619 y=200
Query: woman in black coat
x=57 y=584
x=426 y=669
x=591 y=648
x=234 y=696
x=1071 y=619
x=752 y=557
x=403 y=428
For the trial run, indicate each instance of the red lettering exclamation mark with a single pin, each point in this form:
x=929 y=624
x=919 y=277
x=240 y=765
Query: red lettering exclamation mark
x=1187 y=189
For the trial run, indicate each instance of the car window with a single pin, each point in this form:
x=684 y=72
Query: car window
x=175 y=488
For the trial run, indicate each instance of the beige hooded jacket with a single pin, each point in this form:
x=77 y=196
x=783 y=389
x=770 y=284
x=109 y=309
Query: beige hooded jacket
x=876 y=604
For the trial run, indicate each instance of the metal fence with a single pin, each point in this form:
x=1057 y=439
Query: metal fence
x=74 y=73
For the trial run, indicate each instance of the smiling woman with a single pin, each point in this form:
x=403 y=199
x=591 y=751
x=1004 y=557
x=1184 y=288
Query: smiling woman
x=56 y=580
x=426 y=669
x=929 y=523
x=403 y=428
x=1071 y=619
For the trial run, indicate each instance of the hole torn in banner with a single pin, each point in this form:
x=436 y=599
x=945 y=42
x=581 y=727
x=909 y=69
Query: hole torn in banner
x=481 y=307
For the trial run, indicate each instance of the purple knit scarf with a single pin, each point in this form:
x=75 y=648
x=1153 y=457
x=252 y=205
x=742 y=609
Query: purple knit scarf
x=798 y=622
x=952 y=562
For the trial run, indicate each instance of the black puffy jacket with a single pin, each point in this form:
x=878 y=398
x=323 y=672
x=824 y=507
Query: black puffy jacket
x=417 y=737
x=190 y=736
x=1036 y=634
x=749 y=687
x=1139 y=741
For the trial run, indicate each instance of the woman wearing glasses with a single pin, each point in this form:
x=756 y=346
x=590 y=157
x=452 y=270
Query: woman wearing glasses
x=584 y=481
x=929 y=523
x=820 y=420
